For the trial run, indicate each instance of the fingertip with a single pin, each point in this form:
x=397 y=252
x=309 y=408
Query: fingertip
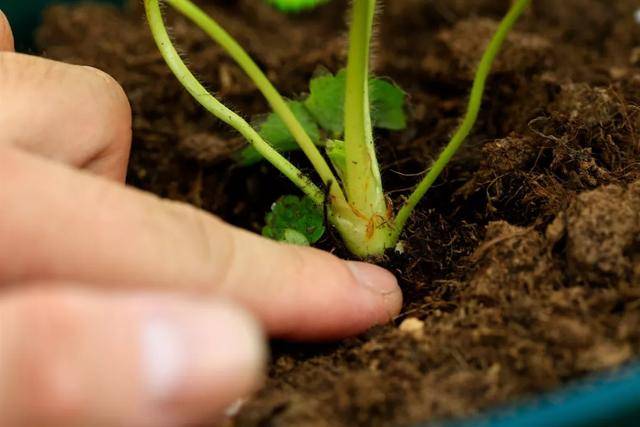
x=6 y=35
x=200 y=358
x=357 y=296
x=381 y=283
x=313 y=295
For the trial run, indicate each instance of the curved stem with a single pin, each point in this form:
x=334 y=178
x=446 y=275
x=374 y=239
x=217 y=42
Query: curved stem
x=216 y=108
x=475 y=102
x=276 y=101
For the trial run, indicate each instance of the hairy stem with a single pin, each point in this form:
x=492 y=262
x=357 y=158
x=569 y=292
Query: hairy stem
x=275 y=100
x=365 y=222
x=195 y=88
x=362 y=174
x=475 y=102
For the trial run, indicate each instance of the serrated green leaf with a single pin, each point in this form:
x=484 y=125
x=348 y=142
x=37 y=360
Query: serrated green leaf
x=292 y=214
x=387 y=105
x=326 y=103
x=295 y=5
x=275 y=132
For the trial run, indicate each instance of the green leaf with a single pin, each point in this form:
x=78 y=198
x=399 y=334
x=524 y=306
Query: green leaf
x=293 y=218
x=294 y=237
x=324 y=107
x=387 y=105
x=326 y=103
x=275 y=132
x=295 y=5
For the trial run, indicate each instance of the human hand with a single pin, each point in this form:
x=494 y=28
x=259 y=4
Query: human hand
x=119 y=308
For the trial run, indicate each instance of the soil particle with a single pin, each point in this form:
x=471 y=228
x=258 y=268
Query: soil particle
x=465 y=42
x=584 y=106
x=603 y=229
x=521 y=268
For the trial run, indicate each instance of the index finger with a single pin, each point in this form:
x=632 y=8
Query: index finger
x=76 y=226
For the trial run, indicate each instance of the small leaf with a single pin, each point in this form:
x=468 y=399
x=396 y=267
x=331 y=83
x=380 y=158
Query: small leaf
x=290 y=215
x=387 y=105
x=325 y=107
x=275 y=132
x=294 y=237
x=326 y=101
x=295 y=5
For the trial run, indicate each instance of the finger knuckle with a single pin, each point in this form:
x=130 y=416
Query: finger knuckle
x=6 y=36
x=211 y=242
x=109 y=86
x=111 y=99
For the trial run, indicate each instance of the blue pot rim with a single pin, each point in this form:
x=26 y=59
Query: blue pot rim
x=609 y=399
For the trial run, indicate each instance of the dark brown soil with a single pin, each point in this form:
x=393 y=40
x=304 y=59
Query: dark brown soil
x=522 y=267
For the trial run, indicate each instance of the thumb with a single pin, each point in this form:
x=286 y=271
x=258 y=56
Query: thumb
x=71 y=357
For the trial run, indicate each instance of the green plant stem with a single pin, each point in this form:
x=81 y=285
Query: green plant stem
x=275 y=100
x=193 y=86
x=363 y=184
x=475 y=102
x=364 y=223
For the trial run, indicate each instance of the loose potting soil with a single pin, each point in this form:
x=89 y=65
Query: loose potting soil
x=521 y=268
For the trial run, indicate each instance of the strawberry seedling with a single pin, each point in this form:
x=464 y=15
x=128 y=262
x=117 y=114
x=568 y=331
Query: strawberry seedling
x=338 y=117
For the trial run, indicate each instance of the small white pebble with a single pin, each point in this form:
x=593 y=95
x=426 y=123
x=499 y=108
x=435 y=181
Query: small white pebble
x=636 y=16
x=412 y=325
x=233 y=409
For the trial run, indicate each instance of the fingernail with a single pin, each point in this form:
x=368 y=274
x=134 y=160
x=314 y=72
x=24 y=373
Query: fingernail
x=374 y=278
x=381 y=283
x=199 y=353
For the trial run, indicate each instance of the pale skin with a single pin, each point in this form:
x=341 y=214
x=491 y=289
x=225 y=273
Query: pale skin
x=120 y=308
